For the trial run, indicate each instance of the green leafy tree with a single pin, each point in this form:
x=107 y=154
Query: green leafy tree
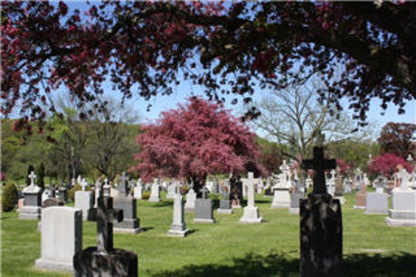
x=30 y=168
x=40 y=176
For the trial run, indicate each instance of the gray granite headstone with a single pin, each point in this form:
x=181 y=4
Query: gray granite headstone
x=32 y=200
x=295 y=198
x=204 y=208
x=61 y=238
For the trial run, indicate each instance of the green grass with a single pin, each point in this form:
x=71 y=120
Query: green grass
x=228 y=248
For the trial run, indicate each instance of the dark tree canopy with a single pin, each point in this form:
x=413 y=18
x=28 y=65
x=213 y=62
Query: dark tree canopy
x=360 y=50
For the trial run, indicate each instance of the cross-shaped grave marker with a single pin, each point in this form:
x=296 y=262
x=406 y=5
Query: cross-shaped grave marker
x=106 y=215
x=84 y=184
x=204 y=192
x=250 y=192
x=32 y=177
x=319 y=164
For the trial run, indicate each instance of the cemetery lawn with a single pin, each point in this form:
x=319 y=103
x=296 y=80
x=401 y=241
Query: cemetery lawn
x=227 y=248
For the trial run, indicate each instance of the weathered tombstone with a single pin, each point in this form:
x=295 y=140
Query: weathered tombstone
x=104 y=260
x=63 y=194
x=32 y=200
x=281 y=195
x=236 y=194
x=84 y=200
x=295 y=198
x=178 y=228
x=155 y=191
x=377 y=202
x=138 y=190
x=123 y=201
x=360 y=197
x=321 y=224
x=225 y=202
x=190 y=201
x=61 y=238
x=251 y=212
x=171 y=191
x=203 y=208
x=403 y=208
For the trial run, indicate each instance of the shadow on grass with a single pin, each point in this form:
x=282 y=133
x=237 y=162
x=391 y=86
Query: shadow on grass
x=145 y=229
x=279 y=264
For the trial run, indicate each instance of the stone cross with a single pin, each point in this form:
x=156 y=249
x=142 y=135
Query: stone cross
x=333 y=173
x=32 y=177
x=204 y=192
x=319 y=164
x=250 y=192
x=106 y=215
x=83 y=184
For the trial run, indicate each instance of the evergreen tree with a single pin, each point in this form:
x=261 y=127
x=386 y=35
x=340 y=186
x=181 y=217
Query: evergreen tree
x=40 y=176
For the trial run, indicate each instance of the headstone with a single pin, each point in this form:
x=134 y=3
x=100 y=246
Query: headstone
x=138 y=190
x=251 y=212
x=106 y=188
x=155 y=192
x=236 y=194
x=281 y=195
x=331 y=183
x=84 y=200
x=295 y=198
x=63 y=194
x=268 y=188
x=171 y=191
x=377 y=202
x=104 y=260
x=46 y=195
x=403 y=208
x=32 y=200
x=338 y=193
x=225 y=202
x=178 y=228
x=320 y=224
x=204 y=208
x=190 y=201
x=125 y=202
x=61 y=238
x=360 y=197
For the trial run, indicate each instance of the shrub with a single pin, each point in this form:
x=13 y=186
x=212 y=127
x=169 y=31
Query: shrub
x=214 y=196
x=184 y=189
x=146 y=195
x=71 y=192
x=9 y=198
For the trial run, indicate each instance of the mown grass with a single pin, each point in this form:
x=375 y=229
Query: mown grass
x=228 y=248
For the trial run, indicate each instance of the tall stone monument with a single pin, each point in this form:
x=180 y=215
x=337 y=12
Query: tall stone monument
x=251 y=212
x=33 y=200
x=281 y=195
x=321 y=224
x=138 y=190
x=403 y=204
x=104 y=260
x=178 y=228
x=155 y=191
x=125 y=202
x=61 y=238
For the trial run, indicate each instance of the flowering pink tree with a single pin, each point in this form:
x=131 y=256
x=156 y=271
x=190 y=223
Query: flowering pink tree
x=386 y=165
x=195 y=140
x=343 y=166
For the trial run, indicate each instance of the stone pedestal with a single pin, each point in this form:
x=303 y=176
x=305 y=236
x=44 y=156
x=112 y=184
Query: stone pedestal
x=281 y=199
x=32 y=204
x=403 y=208
x=84 y=200
x=130 y=223
x=225 y=207
x=251 y=215
x=120 y=263
x=61 y=238
x=320 y=236
x=190 y=201
x=295 y=198
x=377 y=203
x=203 y=211
x=178 y=228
